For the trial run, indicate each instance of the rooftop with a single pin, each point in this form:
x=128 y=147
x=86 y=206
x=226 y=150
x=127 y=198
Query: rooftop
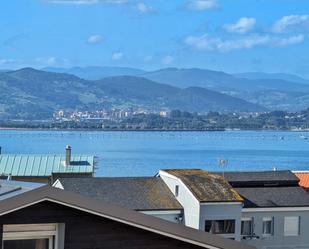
x=264 y=189
x=44 y=165
x=205 y=186
x=119 y=214
x=138 y=193
x=12 y=188
x=266 y=197
x=303 y=176
x=261 y=178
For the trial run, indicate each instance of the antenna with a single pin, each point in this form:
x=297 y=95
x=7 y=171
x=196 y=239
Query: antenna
x=223 y=164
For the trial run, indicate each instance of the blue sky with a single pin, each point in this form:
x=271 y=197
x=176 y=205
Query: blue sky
x=227 y=35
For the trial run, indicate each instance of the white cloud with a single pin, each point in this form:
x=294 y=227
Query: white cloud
x=291 y=40
x=47 y=60
x=117 y=56
x=94 y=39
x=167 y=60
x=200 y=5
x=291 y=21
x=85 y=2
x=8 y=61
x=205 y=42
x=242 y=26
x=143 y=8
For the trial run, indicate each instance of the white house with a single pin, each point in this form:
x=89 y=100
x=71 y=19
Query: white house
x=210 y=203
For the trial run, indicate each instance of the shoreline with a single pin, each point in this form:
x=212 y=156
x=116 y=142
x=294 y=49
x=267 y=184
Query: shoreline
x=147 y=130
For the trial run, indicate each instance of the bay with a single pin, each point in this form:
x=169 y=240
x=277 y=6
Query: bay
x=144 y=153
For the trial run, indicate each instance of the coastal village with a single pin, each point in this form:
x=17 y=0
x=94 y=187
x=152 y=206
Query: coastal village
x=152 y=124
x=57 y=202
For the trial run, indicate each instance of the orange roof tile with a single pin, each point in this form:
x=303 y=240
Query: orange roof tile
x=304 y=179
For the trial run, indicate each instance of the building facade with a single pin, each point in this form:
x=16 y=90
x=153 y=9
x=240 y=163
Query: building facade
x=50 y=218
x=268 y=210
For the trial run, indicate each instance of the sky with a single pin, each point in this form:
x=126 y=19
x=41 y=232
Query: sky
x=227 y=35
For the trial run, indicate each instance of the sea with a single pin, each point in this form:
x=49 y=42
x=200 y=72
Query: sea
x=145 y=153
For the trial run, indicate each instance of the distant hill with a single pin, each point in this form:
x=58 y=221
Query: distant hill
x=271 y=93
x=218 y=80
x=269 y=76
x=96 y=72
x=161 y=95
x=29 y=93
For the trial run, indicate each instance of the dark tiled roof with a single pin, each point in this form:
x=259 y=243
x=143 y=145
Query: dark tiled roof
x=205 y=186
x=12 y=188
x=138 y=193
x=119 y=214
x=261 y=178
x=274 y=197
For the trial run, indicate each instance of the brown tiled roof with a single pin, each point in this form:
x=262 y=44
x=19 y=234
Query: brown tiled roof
x=119 y=214
x=205 y=186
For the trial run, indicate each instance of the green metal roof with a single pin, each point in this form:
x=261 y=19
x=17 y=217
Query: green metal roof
x=44 y=165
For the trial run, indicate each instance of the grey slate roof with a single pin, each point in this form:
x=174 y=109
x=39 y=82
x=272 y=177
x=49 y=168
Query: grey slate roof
x=261 y=178
x=12 y=188
x=263 y=197
x=138 y=193
x=264 y=189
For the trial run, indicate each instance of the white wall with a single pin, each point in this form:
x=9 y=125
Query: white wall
x=195 y=213
x=190 y=204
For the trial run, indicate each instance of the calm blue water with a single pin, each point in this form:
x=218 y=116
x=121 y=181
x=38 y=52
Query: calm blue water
x=144 y=153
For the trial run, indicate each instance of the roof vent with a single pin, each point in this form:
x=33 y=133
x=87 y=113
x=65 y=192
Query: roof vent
x=68 y=155
x=8 y=176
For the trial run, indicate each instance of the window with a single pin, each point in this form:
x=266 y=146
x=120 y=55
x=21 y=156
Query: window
x=220 y=226
x=268 y=223
x=176 y=190
x=27 y=244
x=247 y=226
x=291 y=226
x=32 y=236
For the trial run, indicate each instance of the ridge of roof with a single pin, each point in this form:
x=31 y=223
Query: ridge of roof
x=117 y=213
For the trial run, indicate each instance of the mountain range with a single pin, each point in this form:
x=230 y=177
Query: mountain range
x=96 y=72
x=30 y=93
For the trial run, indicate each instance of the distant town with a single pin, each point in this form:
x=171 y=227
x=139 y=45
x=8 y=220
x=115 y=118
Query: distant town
x=166 y=120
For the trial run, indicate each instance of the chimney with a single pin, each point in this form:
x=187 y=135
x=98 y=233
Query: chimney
x=67 y=155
